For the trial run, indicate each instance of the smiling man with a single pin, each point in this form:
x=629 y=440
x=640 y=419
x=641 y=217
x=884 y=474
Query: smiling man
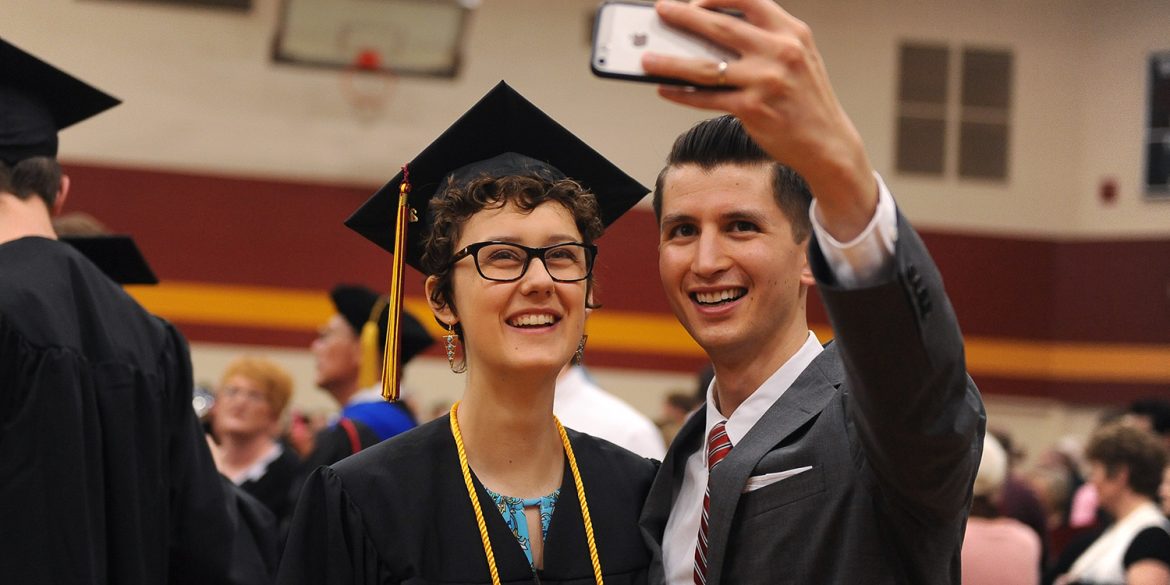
x=846 y=463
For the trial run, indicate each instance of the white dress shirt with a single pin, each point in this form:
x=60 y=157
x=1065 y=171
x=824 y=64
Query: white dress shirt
x=855 y=263
x=682 y=528
x=583 y=406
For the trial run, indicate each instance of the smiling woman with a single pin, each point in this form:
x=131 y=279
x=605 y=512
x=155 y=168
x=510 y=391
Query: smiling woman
x=530 y=319
x=508 y=205
x=491 y=220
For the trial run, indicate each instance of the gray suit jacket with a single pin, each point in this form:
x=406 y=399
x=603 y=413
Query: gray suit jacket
x=892 y=427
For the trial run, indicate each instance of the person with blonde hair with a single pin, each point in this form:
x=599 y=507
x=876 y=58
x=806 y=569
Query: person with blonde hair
x=245 y=422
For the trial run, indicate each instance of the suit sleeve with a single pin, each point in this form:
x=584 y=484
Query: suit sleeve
x=917 y=413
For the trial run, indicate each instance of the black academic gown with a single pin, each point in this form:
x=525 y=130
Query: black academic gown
x=275 y=489
x=398 y=512
x=105 y=474
x=334 y=443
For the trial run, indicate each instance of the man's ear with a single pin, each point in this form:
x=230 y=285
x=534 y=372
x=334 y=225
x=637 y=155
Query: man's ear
x=445 y=313
x=806 y=275
x=62 y=194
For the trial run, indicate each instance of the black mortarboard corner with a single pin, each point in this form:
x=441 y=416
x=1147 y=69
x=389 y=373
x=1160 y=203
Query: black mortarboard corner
x=368 y=313
x=36 y=101
x=116 y=255
x=503 y=134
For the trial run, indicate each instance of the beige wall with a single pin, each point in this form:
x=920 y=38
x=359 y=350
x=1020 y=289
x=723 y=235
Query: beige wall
x=201 y=94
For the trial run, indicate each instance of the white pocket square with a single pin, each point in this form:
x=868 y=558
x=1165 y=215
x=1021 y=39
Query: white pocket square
x=756 y=482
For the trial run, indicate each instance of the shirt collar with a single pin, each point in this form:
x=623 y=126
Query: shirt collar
x=752 y=410
x=260 y=467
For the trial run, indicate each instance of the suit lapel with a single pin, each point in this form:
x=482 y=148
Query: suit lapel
x=808 y=396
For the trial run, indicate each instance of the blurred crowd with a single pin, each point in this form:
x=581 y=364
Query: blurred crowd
x=1030 y=523
x=1080 y=503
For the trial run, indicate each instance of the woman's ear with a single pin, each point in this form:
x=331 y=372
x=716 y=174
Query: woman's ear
x=445 y=313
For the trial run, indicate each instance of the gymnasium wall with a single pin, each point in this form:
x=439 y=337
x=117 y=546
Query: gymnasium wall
x=235 y=173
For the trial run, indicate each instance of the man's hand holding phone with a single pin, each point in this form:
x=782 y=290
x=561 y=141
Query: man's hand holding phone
x=781 y=93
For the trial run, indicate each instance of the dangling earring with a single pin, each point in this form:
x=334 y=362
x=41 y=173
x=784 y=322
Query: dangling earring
x=580 y=354
x=451 y=339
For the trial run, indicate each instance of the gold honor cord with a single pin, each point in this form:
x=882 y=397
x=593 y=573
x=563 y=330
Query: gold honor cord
x=394 y=315
x=479 y=521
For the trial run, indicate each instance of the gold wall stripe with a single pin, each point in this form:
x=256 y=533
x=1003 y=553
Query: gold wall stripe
x=1080 y=362
x=236 y=306
x=652 y=334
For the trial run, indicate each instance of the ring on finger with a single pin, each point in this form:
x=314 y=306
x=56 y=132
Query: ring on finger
x=721 y=78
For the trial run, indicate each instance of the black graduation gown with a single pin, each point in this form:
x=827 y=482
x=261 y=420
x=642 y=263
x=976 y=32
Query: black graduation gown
x=105 y=475
x=398 y=512
x=273 y=488
x=333 y=443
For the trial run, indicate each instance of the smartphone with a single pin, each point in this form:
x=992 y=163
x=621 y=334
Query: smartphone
x=624 y=29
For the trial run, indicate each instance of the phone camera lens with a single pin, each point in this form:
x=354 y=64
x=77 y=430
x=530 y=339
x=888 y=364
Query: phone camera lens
x=601 y=61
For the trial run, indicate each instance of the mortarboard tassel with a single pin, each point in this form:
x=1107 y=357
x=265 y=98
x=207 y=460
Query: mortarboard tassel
x=394 y=317
x=368 y=372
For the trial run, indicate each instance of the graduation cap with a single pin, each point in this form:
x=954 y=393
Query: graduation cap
x=368 y=313
x=116 y=255
x=503 y=134
x=36 y=101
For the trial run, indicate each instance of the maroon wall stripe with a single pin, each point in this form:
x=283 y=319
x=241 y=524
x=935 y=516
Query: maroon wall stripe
x=270 y=232
x=1077 y=392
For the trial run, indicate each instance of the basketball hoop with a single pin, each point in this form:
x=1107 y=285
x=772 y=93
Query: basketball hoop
x=367 y=84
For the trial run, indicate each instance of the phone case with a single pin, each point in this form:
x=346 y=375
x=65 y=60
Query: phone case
x=648 y=35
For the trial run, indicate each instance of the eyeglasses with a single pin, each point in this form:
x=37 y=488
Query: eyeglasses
x=255 y=396
x=507 y=262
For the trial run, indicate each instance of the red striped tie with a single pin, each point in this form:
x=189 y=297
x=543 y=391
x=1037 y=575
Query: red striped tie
x=718 y=446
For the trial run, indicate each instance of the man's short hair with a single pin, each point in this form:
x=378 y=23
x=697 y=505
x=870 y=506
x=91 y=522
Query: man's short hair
x=723 y=141
x=39 y=175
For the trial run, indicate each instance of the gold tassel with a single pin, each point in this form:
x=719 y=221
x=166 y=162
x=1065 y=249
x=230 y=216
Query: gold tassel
x=390 y=358
x=368 y=372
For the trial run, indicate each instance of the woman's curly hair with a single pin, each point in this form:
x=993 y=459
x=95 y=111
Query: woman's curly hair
x=459 y=202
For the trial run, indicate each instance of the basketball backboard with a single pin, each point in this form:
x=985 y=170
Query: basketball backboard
x=401 y=37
